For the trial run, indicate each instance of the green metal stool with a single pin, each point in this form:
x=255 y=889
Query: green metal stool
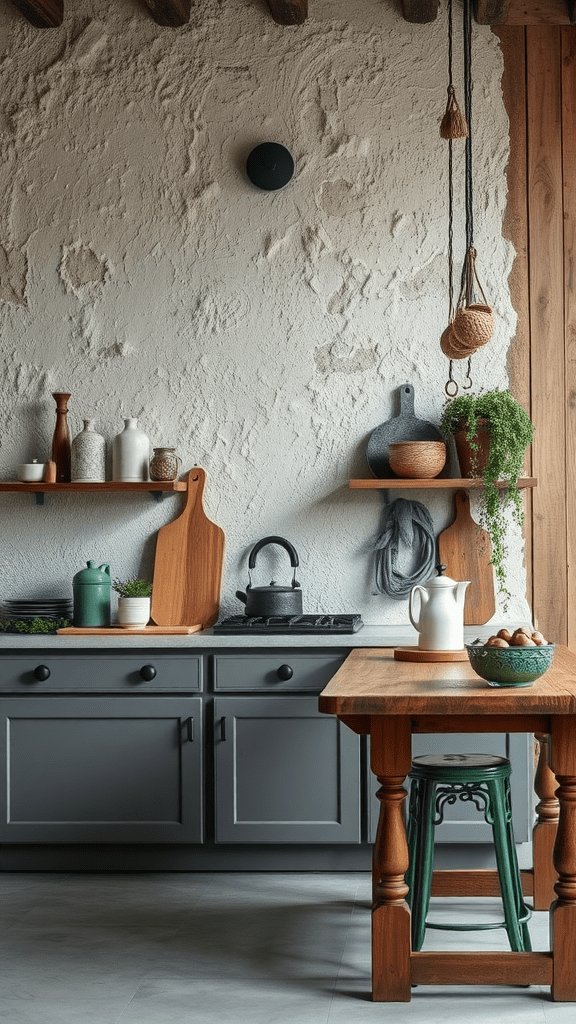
x=484 y=780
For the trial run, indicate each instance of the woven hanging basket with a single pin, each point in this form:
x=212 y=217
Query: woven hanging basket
x=454 y=349
x=473 y=325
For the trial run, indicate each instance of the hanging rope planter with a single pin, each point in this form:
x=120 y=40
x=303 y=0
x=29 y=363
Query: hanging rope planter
x=471 y=324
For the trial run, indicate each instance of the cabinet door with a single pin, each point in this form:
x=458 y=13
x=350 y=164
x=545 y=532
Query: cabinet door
x=284 y=773
x=109 y=770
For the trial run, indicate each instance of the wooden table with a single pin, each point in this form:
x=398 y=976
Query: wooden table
x=389 y=700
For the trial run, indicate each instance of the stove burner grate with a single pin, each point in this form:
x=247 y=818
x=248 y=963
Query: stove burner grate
x=290 y=624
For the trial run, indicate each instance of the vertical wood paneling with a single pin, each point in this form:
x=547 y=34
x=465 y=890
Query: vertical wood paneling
x=569 y=173
x=515 y=228
x=546 y=273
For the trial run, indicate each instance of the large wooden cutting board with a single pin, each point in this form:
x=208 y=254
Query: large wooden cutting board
x=466 y=551
x=188 y=564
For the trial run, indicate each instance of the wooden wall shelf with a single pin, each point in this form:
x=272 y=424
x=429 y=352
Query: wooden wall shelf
x=156 y=488
x=464 y=483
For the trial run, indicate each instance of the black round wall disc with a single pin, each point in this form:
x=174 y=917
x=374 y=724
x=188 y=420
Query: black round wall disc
x=270 y=166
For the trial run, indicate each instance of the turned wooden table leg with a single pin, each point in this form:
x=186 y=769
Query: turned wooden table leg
x=544 y=833
x=391 y=944
x=563 y=910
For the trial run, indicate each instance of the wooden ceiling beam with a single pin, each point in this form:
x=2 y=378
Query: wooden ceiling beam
x=42 y=13
x=420 y=12
x=289 y=12
x=500 y=12
x=522 y=12
x=169 y=13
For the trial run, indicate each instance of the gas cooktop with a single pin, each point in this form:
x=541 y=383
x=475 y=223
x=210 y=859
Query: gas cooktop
x=290 y=624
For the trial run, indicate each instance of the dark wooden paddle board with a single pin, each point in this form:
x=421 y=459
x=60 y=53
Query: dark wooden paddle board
x=188 y=564
x=405 y=426
x=466 y=551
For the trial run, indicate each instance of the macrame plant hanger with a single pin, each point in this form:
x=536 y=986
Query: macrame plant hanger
x=471 y=325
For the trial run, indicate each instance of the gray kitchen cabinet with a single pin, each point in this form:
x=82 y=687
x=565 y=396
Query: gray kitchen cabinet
x=284 y=773
x=101 y=769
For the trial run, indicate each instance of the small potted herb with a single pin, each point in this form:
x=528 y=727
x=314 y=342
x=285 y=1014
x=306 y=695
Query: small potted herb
x=133 y=602
x=492 y=432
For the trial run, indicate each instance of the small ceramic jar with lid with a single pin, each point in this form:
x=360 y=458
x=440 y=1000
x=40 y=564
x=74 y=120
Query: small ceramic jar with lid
x=164 y=464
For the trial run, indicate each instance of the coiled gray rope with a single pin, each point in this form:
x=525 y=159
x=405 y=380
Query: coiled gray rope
x=407 y=523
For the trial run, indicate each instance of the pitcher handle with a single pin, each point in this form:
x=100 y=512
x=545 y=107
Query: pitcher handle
x=410 y=606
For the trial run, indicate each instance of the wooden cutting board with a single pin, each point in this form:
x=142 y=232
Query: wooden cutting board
x=405 y=426
x=120 y=631
x=466 y=551
x=188 y=564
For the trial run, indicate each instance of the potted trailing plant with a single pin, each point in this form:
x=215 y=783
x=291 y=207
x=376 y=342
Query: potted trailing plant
x=133 y=602
x=497 y=431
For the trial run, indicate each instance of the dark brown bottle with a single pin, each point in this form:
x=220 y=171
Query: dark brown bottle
x=61 y=442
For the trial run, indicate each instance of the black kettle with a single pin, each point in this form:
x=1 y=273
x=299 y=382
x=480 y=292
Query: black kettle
x=272 y=600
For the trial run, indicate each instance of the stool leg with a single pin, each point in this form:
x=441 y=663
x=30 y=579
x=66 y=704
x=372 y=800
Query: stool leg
x=507 y=867
x=421 y=856
x=521 y=908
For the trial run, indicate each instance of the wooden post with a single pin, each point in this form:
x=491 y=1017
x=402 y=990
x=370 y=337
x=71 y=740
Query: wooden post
x=544 y=833
x=563 y=910
x=391 y=944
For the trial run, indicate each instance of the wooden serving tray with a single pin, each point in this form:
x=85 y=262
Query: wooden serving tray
x=119 y=631
x=418 y=654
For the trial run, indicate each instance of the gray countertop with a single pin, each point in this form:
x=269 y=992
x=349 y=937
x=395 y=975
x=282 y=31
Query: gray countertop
x=367 y=636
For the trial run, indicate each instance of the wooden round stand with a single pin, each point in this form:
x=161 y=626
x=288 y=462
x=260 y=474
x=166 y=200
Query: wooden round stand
x=419 y=654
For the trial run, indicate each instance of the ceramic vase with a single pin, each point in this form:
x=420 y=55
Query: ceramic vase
x=133 y=612
x=88 y=457
x=91 y=589
x=61 y=438
x=130 y=454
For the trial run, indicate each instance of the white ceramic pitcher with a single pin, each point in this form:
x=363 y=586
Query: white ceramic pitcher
x=441 y=619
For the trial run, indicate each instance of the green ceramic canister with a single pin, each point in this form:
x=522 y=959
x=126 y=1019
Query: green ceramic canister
x=92 y=588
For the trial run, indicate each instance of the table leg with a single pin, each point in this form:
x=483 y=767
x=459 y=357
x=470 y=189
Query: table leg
x=544 y=832
x=563 y=910
x=391 y=945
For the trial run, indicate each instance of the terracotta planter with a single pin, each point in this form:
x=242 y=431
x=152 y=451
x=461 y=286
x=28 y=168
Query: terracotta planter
x=473 y=461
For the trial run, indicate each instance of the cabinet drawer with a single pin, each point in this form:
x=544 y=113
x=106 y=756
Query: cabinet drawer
x=279 y=670
x=126 y=673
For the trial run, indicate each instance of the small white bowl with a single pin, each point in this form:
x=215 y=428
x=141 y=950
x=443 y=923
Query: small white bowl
x=31 y=472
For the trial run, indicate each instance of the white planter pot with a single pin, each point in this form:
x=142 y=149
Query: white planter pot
x=133 y=612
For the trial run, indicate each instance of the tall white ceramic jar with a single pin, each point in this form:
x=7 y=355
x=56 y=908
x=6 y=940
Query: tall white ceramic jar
x=130 y=453
x=88 y=456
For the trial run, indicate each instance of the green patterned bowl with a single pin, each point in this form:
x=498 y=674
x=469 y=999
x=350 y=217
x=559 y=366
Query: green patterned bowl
x=510 y=666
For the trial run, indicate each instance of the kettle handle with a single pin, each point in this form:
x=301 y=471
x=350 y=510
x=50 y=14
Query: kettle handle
x=284 y=544
x=410 y=601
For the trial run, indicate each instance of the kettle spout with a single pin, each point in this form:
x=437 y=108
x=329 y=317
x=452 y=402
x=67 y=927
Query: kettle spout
x=461 y=593
x=241 y=596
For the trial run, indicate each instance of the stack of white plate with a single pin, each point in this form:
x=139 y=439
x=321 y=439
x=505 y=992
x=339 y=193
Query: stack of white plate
x=41 y=608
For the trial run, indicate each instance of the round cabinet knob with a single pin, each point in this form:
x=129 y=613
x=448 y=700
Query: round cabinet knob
x=285 y=672
x=147 y=672
x=42 y=672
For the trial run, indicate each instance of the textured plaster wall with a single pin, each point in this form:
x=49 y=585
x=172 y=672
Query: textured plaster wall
x=262 y=334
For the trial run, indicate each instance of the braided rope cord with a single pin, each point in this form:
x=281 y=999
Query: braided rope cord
x=408 y=524
x=468 y=270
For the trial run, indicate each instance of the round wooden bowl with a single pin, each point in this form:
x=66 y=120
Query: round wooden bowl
x=417 y=460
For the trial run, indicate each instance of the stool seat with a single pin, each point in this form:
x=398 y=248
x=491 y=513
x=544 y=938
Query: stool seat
x=483 y=780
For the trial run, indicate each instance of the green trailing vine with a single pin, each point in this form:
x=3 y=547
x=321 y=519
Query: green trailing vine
x=511 y=432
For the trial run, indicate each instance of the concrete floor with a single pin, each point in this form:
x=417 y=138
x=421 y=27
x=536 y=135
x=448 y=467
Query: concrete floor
x=225 y=948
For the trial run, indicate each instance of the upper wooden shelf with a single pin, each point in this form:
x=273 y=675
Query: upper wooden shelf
x=108 y=485
x=154 y=487
x=395 y=483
